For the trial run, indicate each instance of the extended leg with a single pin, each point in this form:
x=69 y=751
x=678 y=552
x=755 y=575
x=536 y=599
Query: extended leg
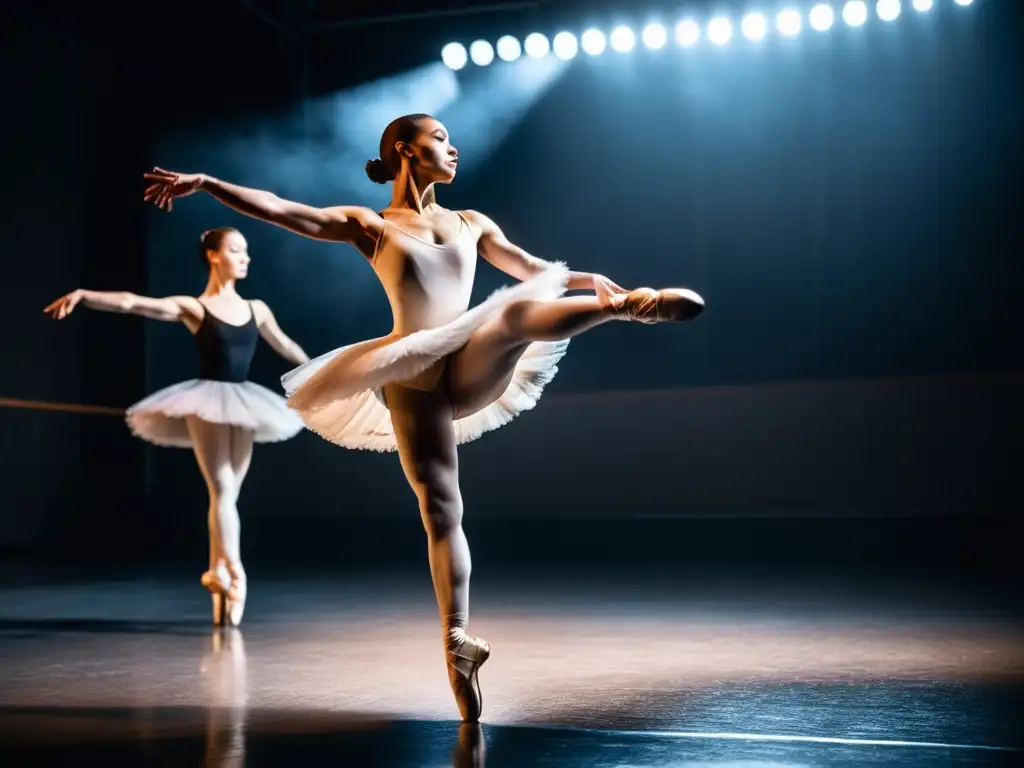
x=426 y=446
x=480 y=372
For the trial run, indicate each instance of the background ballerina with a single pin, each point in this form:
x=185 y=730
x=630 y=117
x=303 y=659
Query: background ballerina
x=220 y=414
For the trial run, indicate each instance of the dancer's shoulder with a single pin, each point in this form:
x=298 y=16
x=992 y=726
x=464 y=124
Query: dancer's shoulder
x=366 y=219
x=481 y=223
x=188 y=304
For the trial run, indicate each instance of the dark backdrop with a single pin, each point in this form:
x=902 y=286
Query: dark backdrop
x=845 y=201
x=847 y=204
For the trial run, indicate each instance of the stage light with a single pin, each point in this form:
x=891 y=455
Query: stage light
x=687 y=33
x=622 y=39
x=754 y=26
x=788 y=22
x=565 y=45
x=822 y=17
x=509 y=48
x=654 y=36
x=454 y=56
x=593 y=42
x=888 y=10
x=855 y=13
x=536 y=45
x=481 y=53
x=720 y=30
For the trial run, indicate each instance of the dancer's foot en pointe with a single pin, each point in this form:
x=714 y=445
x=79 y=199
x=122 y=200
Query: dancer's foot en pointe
x=646 y=305
x=465 y=657
x=228 y=594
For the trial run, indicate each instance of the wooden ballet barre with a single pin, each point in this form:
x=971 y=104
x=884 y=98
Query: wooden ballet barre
x=42 y=405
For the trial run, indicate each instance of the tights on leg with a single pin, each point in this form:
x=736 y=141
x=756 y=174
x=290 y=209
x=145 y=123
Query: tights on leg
x=241 y=458
x=426 y=446
x=217 y=461
x=554 y=319
x=480 y=371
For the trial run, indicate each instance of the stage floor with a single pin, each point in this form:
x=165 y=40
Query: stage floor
x=586 y=671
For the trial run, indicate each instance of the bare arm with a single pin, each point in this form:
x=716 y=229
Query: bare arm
x=169 y=309
x=340 y=224
x=275 y=337
x=495 y=248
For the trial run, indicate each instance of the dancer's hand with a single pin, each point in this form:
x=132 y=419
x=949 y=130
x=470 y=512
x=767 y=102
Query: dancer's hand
x=168 y=185
x=605 y=289
x=65 y=305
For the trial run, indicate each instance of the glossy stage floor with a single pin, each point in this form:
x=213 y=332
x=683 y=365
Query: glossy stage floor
x=587 y=670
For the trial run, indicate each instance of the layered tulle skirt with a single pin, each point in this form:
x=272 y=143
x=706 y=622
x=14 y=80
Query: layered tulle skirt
x=339 y=394
x=160 y=418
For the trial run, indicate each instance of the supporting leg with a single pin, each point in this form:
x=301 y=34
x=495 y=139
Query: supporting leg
x=212 y=446
x=426 y=446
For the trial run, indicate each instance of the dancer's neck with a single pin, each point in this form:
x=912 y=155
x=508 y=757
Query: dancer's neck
x=407 y=192
x=217 y=287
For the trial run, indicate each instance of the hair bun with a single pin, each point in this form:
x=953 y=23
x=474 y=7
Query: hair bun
x=378 y=171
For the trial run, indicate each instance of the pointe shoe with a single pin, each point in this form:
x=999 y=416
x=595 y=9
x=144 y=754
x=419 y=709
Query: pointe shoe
x=669 y=305
x=228 y=599
x=218 y=608
x=464 y=662
x=213 y=584
x=234 y=607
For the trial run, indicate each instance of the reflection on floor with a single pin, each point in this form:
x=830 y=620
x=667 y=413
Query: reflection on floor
x=644 y=674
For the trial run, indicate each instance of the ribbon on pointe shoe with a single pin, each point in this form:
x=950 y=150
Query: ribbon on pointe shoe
x=464 y=662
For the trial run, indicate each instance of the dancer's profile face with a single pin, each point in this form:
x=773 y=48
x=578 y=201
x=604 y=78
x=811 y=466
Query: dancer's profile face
x=434 y=158
x=231 y=260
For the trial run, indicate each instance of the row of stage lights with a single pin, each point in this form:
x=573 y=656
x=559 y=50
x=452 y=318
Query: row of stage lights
x=754 y=26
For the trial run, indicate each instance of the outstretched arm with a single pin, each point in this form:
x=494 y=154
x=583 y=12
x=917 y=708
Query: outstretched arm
x=495 y=248
x=275 y=337
x=342 y=224
x=169 y=309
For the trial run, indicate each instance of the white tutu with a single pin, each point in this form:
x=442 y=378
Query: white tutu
x=338 y=395
x=160 y=418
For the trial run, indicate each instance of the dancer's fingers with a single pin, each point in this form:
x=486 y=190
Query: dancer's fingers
x=614 y=287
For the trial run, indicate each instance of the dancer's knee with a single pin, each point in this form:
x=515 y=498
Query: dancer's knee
x=223 y=486
x=440 y=508
x=515 y=319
